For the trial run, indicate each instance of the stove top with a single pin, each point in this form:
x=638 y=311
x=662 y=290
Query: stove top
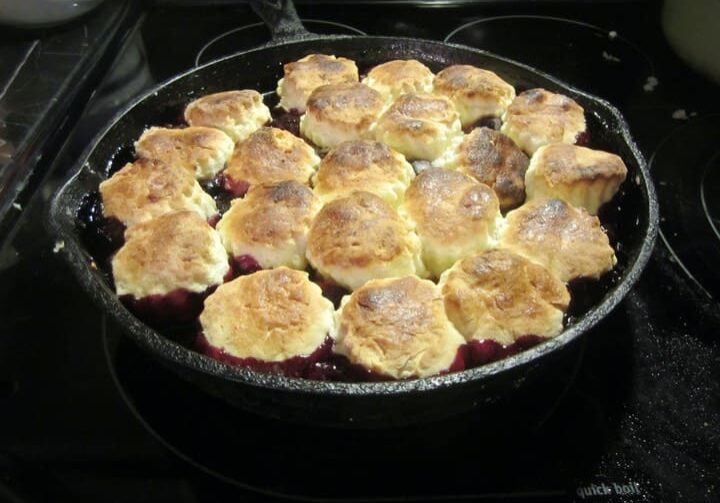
x=633 y=413
x=45 y=77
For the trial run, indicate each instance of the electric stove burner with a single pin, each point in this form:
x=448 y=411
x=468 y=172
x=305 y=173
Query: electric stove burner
x=709 y=190
x=686 y=169
x=594 y=59
x=254 y=35
x=558 y=424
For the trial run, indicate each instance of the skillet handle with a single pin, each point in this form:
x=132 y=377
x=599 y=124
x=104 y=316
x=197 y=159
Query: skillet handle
x=282 y=19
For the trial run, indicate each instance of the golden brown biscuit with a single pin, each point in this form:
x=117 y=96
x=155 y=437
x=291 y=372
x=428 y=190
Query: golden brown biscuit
x=475 y=92
x=397 y=328
x=302 y=77
x=269 y=315
x=145 y=189
x=580 y=176
x=270 y=224
x=454 y=215
x=340 y=112
x=566 y=240
x=360 y=237
x=493 y=159
x=420 y=126
x=201 y=150
x=538 y=117
x=178 y=250
x=271 y=155
x=400 y=76
x=501 y=296
x=237 y=113
x=363 y=165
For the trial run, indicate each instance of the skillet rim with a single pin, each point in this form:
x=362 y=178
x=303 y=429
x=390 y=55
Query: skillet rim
x=62 y=222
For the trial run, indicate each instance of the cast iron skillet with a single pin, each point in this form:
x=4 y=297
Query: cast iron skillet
x=632 y=217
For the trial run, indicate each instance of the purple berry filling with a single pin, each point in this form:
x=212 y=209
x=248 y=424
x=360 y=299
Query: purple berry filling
x=340 y=368
x=489 y=121
x=113 y=231
x=175 y=307
x=289 y=121
x=460 y=361
x=244 y=264
x=583 y=139
x=213 y=220
x=236 y=187
x=488 y=350
x=296 y=366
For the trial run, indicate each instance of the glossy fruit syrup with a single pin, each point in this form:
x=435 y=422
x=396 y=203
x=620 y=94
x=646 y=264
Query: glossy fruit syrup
x=289 y=121
x=216 y=188
x=237 y=188
x=489 y=121
x=583 y=139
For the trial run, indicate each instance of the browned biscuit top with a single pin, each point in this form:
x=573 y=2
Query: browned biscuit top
x=323 y=63
x=449 y=206
x=350 y=103
x=420 y=106
x=495 y=160
x=353 y=156
x=398 y=327
x=215 y=108
x=269 y=315
x=357 y=231
x=469 y=81
x=147 y=188
x=500 y=295
x=567 y=240
x=508 y=277
x=362 y=165
x=541 y=101
x=400 y=76
x=399 y=71
x=171 y=251
x=201 y=150
x=271 y=155
x=393 y=311
x=270 y=213
x=319 y=69
x=417 y=117
x=566 y=164
x=538 y=117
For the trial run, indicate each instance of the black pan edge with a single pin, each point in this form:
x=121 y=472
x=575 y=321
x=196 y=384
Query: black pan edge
x=62 y=219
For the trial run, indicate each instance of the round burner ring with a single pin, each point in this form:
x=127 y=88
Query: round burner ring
x=552 y=18
x=157 y=397
x=711 y=173
x=689 y=223
x=595 y=59
x=317 y=25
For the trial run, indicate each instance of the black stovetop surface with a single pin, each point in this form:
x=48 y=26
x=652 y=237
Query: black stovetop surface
x=634 y=415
